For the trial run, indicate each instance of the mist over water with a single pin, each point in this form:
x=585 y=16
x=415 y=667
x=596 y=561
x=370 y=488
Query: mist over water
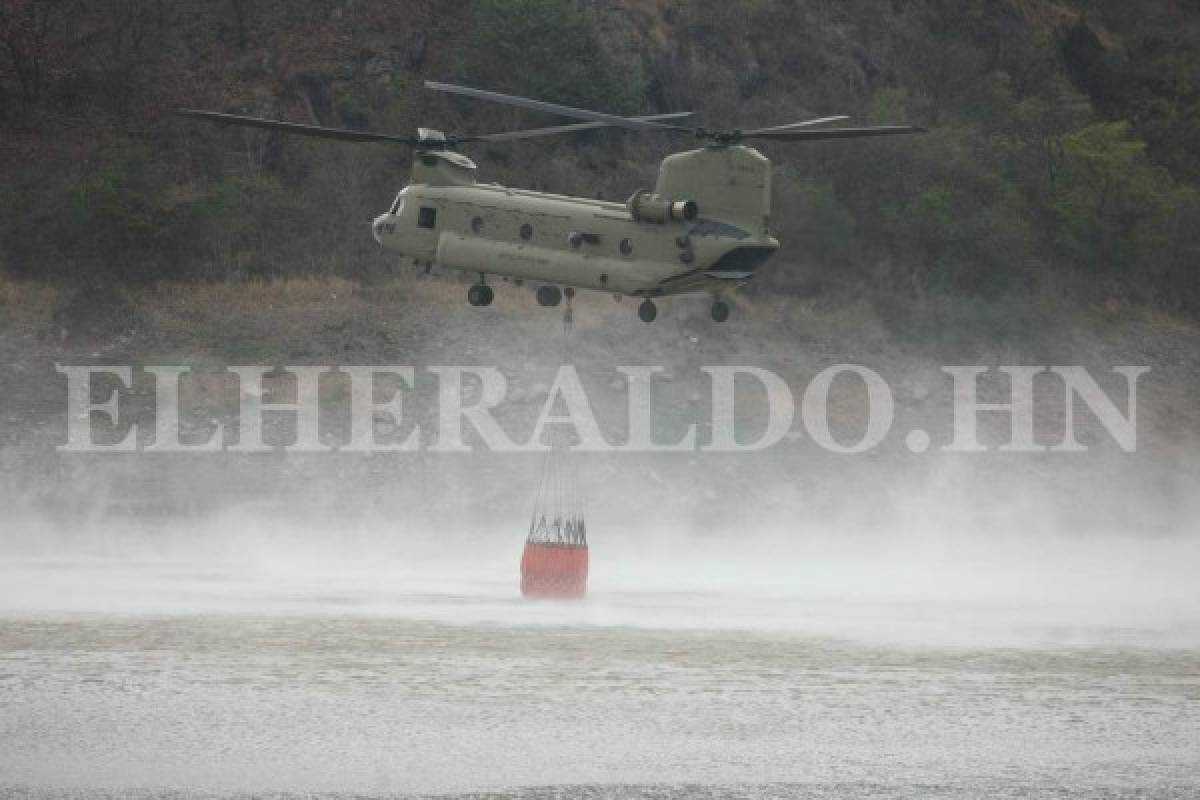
x=922 y=577
x=248 y=653
x=772 y=624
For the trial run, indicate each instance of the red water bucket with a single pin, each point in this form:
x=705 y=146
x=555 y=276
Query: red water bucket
x=550 y=569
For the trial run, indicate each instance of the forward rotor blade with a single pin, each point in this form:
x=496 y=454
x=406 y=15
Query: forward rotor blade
x=554 y=108
x=318 y=131
x=508 y=136
x=793 y=125
x=831 y=133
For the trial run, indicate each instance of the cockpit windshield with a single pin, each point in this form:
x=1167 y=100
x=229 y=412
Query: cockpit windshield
x=398 y=206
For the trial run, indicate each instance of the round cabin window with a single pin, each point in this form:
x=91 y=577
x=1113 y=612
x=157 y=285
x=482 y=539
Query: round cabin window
x=626 y=247
x=476 y=224
x=526 y=231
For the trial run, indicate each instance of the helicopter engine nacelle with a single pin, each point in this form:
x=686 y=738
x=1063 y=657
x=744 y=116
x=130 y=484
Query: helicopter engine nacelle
x=645 y=206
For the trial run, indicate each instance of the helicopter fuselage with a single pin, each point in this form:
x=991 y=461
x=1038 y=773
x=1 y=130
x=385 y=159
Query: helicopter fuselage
x=704 y=228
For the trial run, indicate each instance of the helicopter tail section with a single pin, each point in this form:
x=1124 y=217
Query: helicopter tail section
x=731 y=184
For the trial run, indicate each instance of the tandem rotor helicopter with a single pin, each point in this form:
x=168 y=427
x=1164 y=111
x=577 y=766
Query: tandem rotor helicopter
x=703 y=229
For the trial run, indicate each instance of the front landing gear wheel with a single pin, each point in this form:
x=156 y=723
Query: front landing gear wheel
x=720 y=311
x=549 y=296
x=647 y=311
x=480 y=295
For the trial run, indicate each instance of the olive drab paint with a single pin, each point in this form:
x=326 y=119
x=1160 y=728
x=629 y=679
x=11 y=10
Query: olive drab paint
x=706 y=227
x=646 y=247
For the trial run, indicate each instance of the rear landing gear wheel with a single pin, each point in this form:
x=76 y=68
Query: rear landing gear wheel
x=720 y=311
x=480 y=295
x=549 y=296
x=647 y=311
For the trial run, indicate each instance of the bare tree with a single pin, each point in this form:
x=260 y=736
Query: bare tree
x=239 y=16
x=119 y=41
x=26 y=28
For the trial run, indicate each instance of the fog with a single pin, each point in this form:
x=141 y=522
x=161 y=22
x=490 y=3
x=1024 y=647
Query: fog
x=375 y=656
x=995 y=624
x=942 y=567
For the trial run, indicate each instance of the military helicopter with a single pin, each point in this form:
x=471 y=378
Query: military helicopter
x=705 y=228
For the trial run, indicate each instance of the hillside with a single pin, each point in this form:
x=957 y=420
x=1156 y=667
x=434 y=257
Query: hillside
x=1050 y=217
x=1062 y=158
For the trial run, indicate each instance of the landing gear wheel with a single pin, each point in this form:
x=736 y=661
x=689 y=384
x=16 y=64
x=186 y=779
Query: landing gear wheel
x=549 y=296
x=480 y=295
x=647 y=311
x=720 y=311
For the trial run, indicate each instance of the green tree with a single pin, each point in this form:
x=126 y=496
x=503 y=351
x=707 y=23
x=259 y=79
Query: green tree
x=1110 y=202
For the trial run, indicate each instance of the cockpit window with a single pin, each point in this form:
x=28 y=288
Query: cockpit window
x=398 y=206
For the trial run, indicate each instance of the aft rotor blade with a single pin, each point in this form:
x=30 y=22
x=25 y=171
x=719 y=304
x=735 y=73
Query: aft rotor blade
x=318 y=131
x=508 y=136
x=793 y=125
x=832 y=133
x=554 y=108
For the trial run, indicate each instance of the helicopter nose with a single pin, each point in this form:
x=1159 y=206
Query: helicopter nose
x=377 y=227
